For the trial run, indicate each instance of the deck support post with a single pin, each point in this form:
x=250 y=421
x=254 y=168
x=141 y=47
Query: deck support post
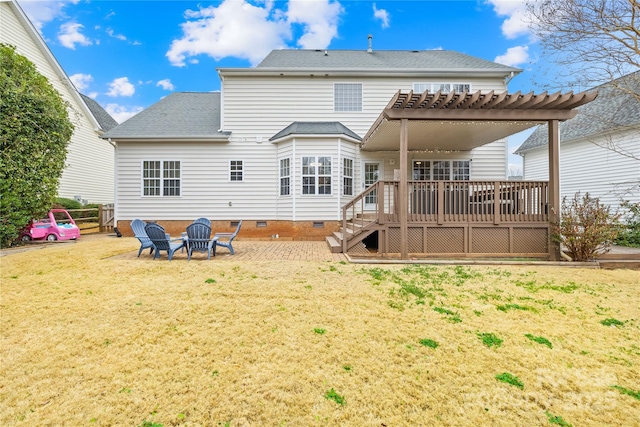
x=554 y=186
x=403 y=192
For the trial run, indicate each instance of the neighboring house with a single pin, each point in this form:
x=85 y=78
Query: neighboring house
x=312 y=141
x=89 y=170
x=600 y=147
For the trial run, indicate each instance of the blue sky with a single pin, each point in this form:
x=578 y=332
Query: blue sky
x=127 y=55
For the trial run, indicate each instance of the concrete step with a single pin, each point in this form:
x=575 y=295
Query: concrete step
x=334 y=245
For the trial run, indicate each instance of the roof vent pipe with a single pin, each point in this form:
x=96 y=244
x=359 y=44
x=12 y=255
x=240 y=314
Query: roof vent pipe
x=370 y=49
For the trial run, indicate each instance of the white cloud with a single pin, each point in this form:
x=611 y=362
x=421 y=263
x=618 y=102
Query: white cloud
x=69 y=35
x=111 y=33
x=41 y=11
x=81 y=81
x=234 y=28
x=121 y=87
x=382 y=15
x=121 y=113
x=243 y=30
x=515 y=11
x=92 y=95
x=166 y=84
x=514 y=56
x=319 y=19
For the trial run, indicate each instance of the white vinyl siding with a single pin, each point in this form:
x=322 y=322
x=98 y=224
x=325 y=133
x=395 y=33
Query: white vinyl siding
x=89 y=170
x=262 y=106
x=490 y=161
x=586 y=167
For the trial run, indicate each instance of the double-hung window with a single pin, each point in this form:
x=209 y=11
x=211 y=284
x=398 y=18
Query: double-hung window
x=285 y=177
x=347 y=177
x=347 y=97
x=441 y=170
x=236 y=170
x=316 y=175
x=161 y=178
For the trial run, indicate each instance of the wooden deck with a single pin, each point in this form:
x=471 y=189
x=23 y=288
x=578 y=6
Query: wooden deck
x=450 y=218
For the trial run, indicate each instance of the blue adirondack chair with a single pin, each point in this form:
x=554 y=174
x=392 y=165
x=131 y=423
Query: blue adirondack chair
x=137 y=226
x=161 y=240
x=203 y=221
x=199 y=239
x=228 y=238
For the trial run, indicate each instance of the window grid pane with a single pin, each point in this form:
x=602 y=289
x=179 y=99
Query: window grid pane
x=308 y=185
x=460 y=169
x=285 y=181
x=441 y=171
x=461 y=87
x=316 y=175
x=421 y=87
x=421 y=170
x=235 y=170
x=347 y=97
x=171 y=181
x=347 y=177
x=151 y=178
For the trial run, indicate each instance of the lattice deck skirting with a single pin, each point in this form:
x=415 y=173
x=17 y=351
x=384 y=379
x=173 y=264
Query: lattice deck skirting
x=503 y=239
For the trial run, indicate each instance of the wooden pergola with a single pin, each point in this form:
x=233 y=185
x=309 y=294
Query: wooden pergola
x=445 y=122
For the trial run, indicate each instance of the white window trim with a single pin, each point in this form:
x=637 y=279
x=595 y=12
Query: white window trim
x=316 y=175
x=352 y=176
x=290 y=176
x=361 y=97
x=142 y=178
x=243 y=170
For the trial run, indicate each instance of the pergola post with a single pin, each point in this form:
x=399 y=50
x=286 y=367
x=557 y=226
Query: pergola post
x=402 y=191
x=554 y=186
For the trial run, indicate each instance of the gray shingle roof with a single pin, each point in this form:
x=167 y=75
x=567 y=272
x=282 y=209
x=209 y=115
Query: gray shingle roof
x=181 y=115
x=104 y=119
x=315 y=128
x=613 y=109
x=434 y=60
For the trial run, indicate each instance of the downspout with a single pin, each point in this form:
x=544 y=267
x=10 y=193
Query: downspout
x=115 y=181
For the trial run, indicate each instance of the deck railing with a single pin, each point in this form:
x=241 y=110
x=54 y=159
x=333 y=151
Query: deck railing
x=443 y=202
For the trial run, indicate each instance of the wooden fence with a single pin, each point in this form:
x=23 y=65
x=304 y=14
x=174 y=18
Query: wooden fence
x=94 y=220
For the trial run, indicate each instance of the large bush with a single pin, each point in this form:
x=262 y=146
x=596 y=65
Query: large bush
x=34 y=132
x=587 y=228
x=630 y=229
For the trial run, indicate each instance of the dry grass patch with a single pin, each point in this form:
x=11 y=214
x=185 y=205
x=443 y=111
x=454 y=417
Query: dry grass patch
x=93 y=338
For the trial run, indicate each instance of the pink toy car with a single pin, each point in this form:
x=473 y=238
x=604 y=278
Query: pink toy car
x=58 y=226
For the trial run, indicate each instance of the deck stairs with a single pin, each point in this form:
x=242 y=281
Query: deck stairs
x=358 y=228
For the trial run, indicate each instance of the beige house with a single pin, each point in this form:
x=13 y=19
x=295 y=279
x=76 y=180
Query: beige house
x=89 y=171
x=379 y=152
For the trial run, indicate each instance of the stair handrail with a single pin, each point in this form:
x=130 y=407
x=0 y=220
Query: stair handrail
x=353 y=204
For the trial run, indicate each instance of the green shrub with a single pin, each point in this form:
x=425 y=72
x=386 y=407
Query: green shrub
x=63 y=203
x=587 y=228
x=629 y=234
